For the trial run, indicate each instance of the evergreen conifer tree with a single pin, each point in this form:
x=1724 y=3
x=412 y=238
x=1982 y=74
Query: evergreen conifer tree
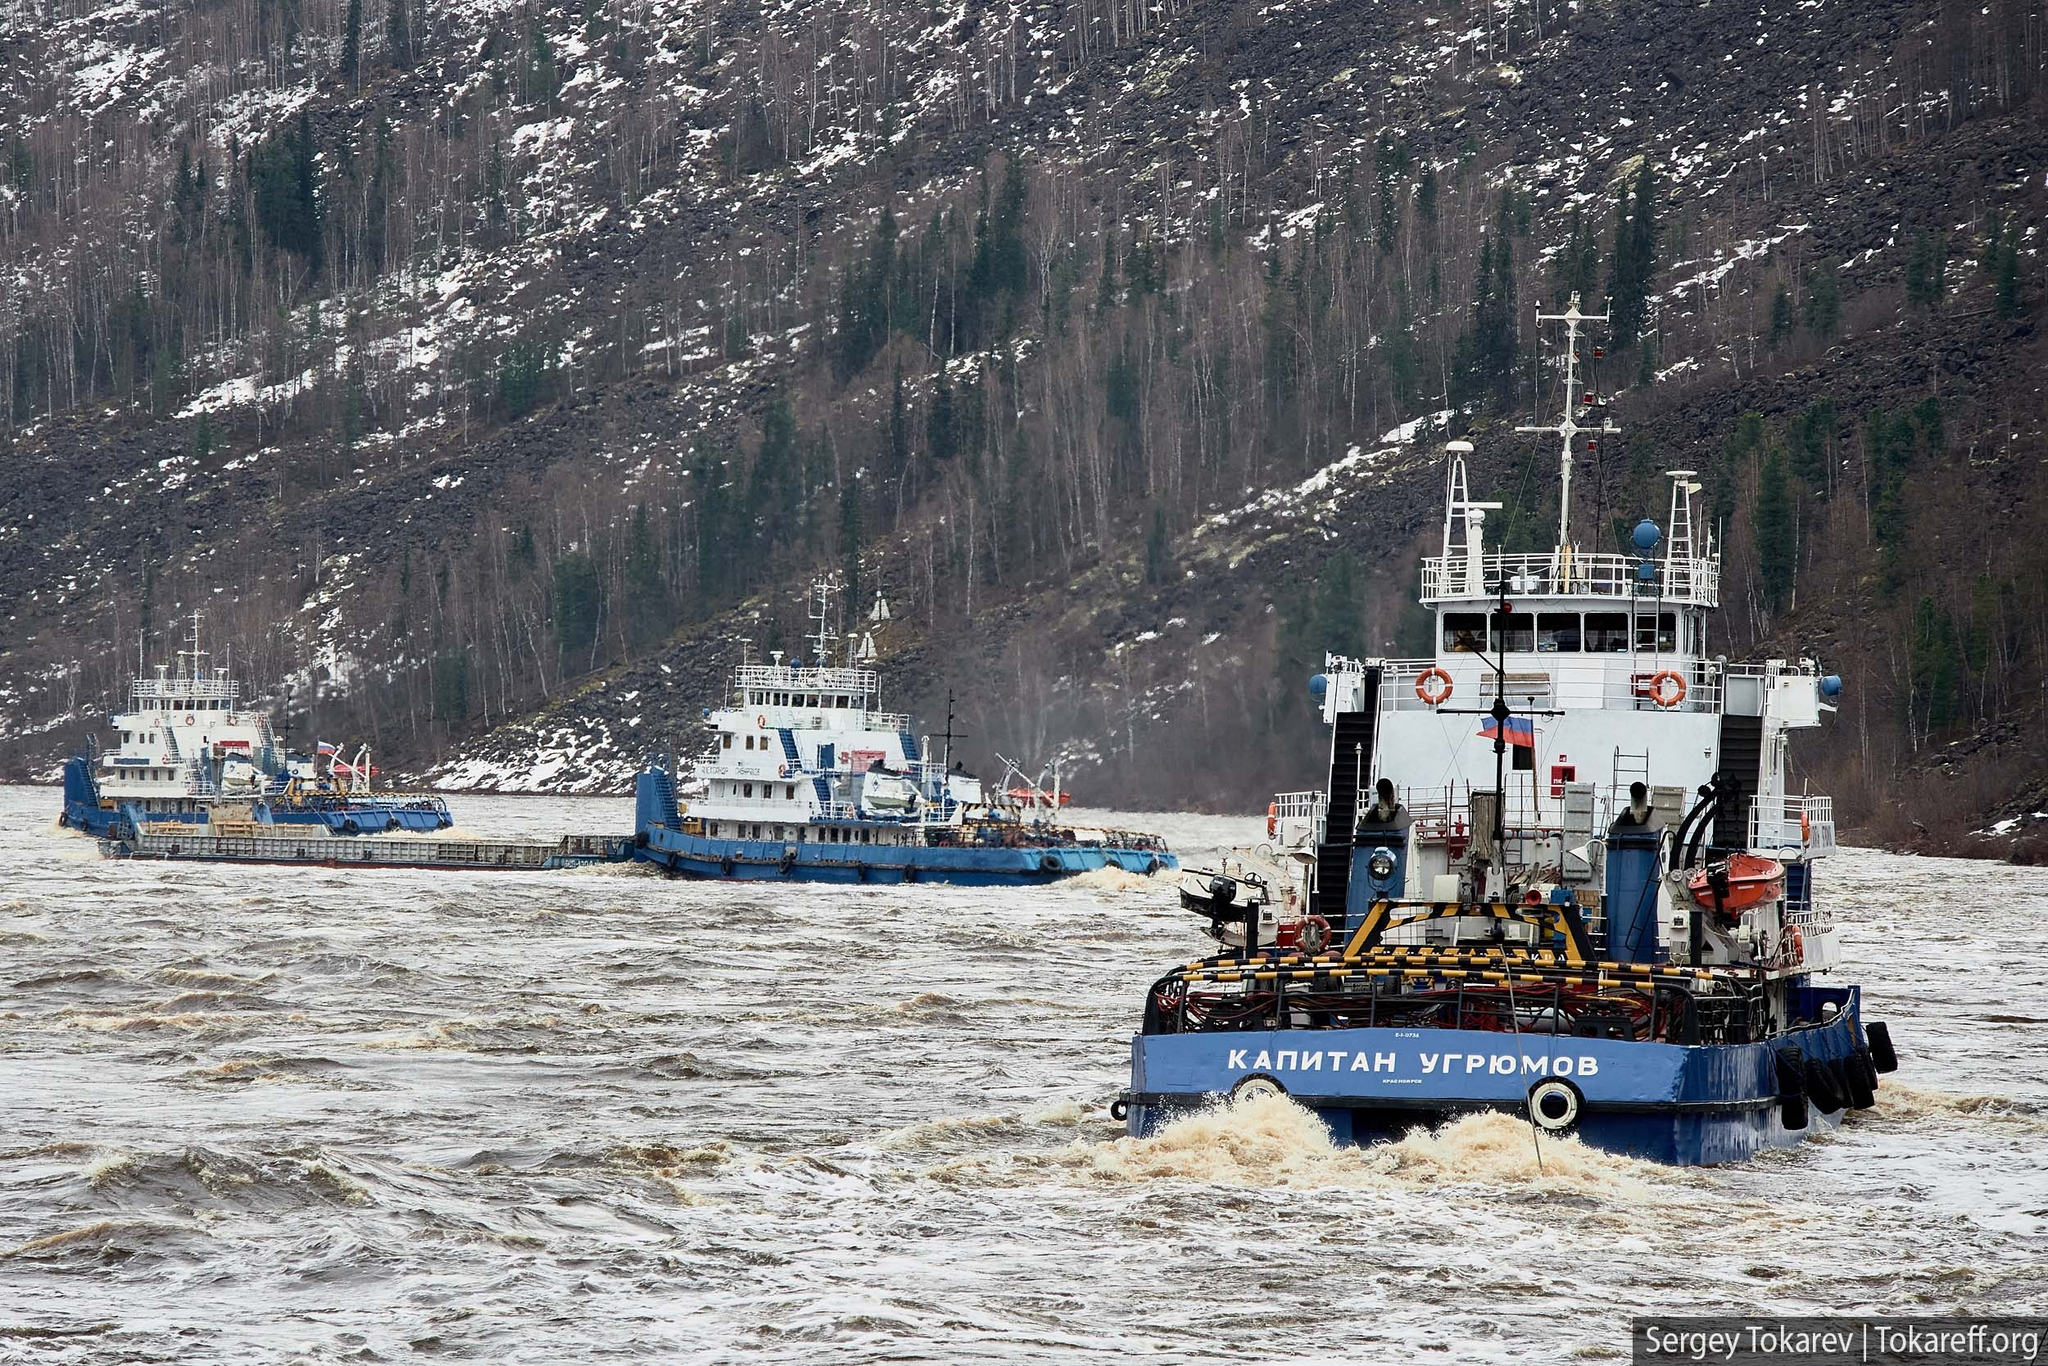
x=1634 y=263
x=352 y=44
x=1781 y=315
x=852 y=531
x=646 y=593
x=398 y=35
x=1776 y=540
x=1823 y=301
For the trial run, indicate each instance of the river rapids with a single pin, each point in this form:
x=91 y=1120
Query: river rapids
x=266 y=1114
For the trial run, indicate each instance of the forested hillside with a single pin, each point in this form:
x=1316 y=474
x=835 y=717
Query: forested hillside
x=481 y=362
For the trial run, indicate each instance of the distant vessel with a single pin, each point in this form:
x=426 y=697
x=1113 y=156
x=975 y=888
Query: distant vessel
x=186 y=754
x=1615 y=935
x=806 y=780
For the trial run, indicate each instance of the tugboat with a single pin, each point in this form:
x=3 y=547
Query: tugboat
x=1605 y=917
x=187 y=755
x=805 y=780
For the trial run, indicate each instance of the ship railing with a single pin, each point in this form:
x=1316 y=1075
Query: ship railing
x=783 y=677
x=892 y=721
x=1548 y=574
x=1298 y=816
x=155 y=689
x=1560 y=682
x=1802 y=823
x=1442 y=813
x=1808 y=917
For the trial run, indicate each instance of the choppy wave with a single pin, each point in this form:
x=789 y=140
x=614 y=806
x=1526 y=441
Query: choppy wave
x=1271 y=1142
x=570 y=1117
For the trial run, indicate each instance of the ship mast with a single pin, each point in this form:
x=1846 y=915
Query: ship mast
x=1567 y=427
x=821 y=612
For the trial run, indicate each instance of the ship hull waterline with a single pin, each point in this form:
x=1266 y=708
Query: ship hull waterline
x=810 y=861
x=1678 y=1104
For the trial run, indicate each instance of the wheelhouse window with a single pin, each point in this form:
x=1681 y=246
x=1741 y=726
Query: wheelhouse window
x=1557 y=633
x=1514 y=632
x=1464 y=632
x=1659 y=632
x=1606 y=633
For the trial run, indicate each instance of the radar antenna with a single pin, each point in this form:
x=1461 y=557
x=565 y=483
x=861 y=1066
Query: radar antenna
x=1568 y=427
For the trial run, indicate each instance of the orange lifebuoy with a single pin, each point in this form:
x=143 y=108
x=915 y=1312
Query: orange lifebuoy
x=782 y=772
x=762 y=721
x=1665 y=697
x=191 y=720
x=1272 y=819
x=1795 y=946
x=1434 y=696
x=1805 y=828
x=1319 y=940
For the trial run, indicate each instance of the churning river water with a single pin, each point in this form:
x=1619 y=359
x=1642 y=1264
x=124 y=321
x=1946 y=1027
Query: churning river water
x=260 y=1114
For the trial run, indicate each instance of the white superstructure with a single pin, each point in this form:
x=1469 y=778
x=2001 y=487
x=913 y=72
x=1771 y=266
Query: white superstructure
x=1606 y=659
x=805 y=752
x=186 y=735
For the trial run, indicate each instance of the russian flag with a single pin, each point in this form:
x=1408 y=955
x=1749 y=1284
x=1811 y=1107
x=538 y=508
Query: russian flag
x=1520 y=731
x=324 y=748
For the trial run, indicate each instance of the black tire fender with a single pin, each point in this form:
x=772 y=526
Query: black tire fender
x=1882 y=1052
x=1791 y=1069
x=1824 y=1086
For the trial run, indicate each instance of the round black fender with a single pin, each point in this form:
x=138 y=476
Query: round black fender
x=1120 y=1109
x=860 y=870
x=1048 y=863
x=1824 y=1085
x=1791 y=1066
x=1555 y=1105
x=788 y=864
x=174 y=849
x=351 y=827
x=63 y=819
x=910 y=872
x=1882 y=1054
x=1152 y=866
x=639 y=839
x=726 y=865
x=1862 y=1075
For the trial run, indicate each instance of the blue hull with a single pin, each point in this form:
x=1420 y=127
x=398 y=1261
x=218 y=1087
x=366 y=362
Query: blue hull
x=332 y=816
x=1682 y=1104
x=772 y=861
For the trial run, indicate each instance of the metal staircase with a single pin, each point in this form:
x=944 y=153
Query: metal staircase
x=1351 y=758
x=1740 y=760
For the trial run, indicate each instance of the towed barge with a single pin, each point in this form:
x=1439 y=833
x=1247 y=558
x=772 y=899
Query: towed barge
x=308 y=849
